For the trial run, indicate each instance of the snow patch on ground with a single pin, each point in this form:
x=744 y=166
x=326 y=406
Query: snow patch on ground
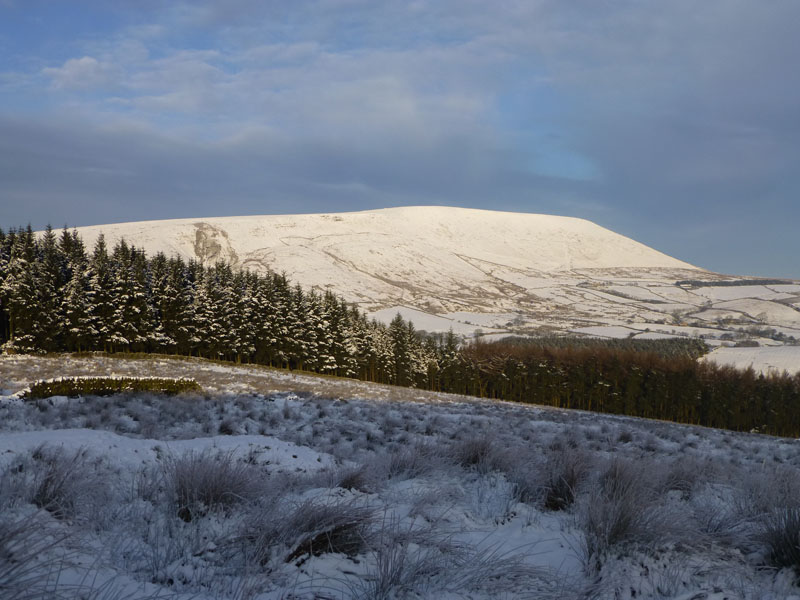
x=437 y=324
x=776 y=359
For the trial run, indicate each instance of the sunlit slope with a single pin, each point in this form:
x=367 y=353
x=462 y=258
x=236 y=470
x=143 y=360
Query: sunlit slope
x=435 y=258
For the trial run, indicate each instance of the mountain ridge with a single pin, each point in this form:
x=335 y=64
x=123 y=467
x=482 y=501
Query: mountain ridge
x=469 y=269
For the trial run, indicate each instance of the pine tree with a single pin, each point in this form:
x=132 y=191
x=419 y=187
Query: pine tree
x=243 y=325
x=77 y=329
x=179 y=318
x=401 y=352
x=101 y=297
x=131 y=323
x=301 y=341
x=50 y=271
x=212 y=311
x=326 y=330
x=21 y=296
x=345 y=349
x=5 y=257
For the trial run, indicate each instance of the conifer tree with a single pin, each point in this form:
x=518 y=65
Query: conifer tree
x=50 y=273
x=243 y=318
x=20 y=291
x=323 y=325
x=171 y=305
x=78 y=331
x=402 y=373
x=301 y=339
x=131 y=321
x=5 y=256
x=102 y=309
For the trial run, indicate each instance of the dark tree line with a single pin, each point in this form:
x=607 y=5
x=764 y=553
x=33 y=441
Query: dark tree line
x=55 y=295
x=669 y=385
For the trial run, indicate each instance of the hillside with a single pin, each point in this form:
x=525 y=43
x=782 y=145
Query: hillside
x=274 y=485
x=496 y=272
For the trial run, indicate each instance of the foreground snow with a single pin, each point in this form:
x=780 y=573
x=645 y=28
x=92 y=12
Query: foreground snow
x=340 y=489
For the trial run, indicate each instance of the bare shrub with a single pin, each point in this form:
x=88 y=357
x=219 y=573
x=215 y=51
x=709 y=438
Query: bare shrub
x=319 y=528
x=408 y=462
x=411 y=561
x=720 y=521
x=397 y=568
x=772 y=488
x=492 y=497
x=26 y=571
x=621 y=509
x=526 y=481
x=105 y=386
x=349 y=478
x=227 y=427
x=197 y=482
x=279 y=531
x=481 y=453
x=781 y=536
x=683 y=476
x=561 y=475
x=62 y=483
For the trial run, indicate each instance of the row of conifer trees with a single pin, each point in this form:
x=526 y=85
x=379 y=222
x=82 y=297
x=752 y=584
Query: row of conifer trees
x=57 y=296
x=669 y=384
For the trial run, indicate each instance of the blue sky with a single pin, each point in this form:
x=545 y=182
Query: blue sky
x=676 y=123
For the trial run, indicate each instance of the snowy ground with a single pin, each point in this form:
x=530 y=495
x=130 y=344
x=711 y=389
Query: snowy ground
x=763 y=360
x=278 y=485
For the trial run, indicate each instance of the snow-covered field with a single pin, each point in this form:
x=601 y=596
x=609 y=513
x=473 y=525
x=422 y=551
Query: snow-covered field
x=463 y=324
x=775 y=359
x=281 y=485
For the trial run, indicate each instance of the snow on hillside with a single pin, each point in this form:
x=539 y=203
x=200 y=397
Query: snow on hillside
x=517 y=240
x=775 y=359
x=467 y=269
x=442 y=258
x=463 y=323
x=334 y=492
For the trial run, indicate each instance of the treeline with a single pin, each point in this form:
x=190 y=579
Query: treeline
x=667 y=347
x=732 y=283
x=57 y=296
x=634 y=382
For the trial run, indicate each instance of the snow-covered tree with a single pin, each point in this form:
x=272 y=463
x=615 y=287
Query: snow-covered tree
x=20 y=293
x=101 y=281
x=76 y=308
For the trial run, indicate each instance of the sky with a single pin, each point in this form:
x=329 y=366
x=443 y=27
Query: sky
x=674 y=123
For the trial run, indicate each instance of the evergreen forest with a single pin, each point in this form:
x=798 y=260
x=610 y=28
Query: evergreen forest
x=58 y=296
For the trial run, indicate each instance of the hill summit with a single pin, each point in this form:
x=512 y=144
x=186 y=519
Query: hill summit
x=426 y=257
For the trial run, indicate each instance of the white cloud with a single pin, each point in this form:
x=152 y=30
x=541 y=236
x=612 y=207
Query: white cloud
x=84 y=73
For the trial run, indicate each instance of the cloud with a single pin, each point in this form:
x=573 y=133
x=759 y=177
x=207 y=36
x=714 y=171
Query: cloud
x=86 y=73
x=642 y=116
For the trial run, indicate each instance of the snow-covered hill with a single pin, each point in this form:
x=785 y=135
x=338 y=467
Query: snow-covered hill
x=469 y=269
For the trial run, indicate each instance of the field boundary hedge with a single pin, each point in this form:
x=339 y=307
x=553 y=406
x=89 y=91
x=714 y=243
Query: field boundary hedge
x=107 y=386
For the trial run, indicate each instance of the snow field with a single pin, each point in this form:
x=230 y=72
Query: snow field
x=776 y=359
x=250 y=493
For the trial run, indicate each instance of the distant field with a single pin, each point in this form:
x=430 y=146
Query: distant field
x=765 y=360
